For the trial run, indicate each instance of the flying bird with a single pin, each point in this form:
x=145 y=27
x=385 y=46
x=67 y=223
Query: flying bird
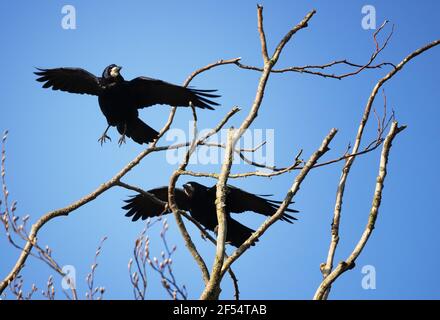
x=199 y=200
x=120 y=100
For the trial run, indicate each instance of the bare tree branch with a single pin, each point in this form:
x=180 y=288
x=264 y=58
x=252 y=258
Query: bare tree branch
x=262 y=34
x=350 y=261
x=172 y=185
x=178 y=213
x=287 y=200
x=212 y=288
x=328 y=266
x=309 y=69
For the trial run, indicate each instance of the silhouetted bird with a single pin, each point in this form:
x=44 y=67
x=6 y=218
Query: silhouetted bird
x=120 y=99
x=199 y=200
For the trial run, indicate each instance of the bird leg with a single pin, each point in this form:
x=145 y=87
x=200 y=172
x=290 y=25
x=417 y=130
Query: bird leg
x=122 y=138
x=104 y=136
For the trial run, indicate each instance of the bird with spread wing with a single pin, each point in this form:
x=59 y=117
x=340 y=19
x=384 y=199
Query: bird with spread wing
x=199 y=201
x=120 y=100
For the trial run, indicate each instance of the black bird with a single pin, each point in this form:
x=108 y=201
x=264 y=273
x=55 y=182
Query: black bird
x=199 y=200
x=120 y=99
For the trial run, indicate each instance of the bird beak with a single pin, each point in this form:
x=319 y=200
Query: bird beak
x=119 y=68
x=188 y=189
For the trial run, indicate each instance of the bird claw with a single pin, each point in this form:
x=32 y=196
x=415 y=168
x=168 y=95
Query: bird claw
x=103 y=139
x=121 y=140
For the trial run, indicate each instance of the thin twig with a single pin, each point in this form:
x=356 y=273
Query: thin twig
x=309 y=69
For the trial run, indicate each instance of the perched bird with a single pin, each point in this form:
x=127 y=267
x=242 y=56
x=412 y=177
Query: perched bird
x=199 y=200
x=120 y=99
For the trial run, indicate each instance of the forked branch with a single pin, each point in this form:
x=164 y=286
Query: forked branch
x=349 y=263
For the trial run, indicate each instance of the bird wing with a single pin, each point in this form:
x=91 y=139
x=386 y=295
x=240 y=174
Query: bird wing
x=142 y=206
x=74 y=80
x=238 y=200
x=148 y=92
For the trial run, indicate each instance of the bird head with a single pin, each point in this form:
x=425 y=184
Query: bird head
x=112 y=71
x=191 y=188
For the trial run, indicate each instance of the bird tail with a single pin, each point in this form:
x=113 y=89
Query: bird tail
x=139 y=131
x=237 y=233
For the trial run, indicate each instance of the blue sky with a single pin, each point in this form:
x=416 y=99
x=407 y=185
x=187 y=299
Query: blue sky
x=54 y=157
